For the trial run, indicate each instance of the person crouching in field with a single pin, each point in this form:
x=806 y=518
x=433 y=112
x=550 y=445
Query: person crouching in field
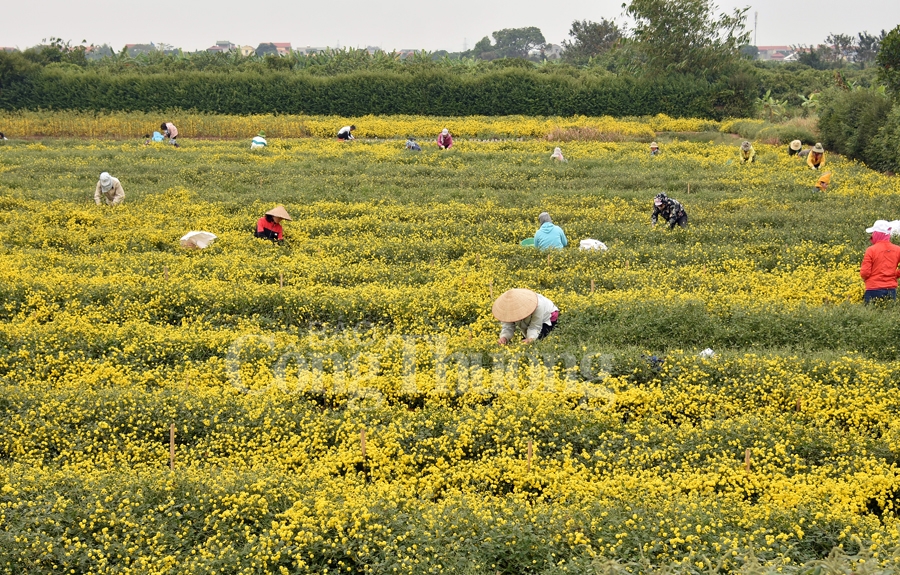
x=794 y=147
x=879 y=265
x=668 y=209
x=445 y=140
x=823 y=182
x=411 y=144
x=558 y=155
x=258 y=141
x=533 y=314
x=549 y=235
x=346 y=133
x=654 y=149
x=108 y=190
x=748 y=154
x=269 y=226
x=169 y=131
x=816 y=158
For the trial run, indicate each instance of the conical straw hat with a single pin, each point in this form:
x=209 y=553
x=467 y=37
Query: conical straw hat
x=515 y=304
x=279 y=212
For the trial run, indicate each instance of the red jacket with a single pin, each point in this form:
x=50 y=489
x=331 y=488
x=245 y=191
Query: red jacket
x=269 y=230
x=879 y=266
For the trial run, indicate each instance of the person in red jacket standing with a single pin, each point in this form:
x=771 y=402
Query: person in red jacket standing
x=879 y=265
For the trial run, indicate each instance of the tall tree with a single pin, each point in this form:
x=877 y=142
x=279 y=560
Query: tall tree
x=888 y=61
x=687 y=36
x=590 y=39
x=867 y=47
x=517 y=42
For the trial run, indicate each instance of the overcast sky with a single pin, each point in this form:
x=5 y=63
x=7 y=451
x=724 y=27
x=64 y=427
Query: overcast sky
x=389 y=24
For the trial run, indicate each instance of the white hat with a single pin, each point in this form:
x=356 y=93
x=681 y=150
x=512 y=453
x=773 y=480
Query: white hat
x=818 y=148
x=514 y=305
x=445 y=131
x=880 y=226
x=745 y=145
x=279 y=212
x=796 y=145
x=654 y=145
x=105 y=179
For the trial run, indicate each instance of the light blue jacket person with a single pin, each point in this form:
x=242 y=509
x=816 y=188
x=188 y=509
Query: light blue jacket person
x=549 y=235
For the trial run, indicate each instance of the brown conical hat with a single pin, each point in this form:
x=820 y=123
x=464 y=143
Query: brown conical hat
x=515 y=304
x=279 y=212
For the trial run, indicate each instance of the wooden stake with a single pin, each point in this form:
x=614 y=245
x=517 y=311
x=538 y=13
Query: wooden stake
x=362 y=442
x=799 y=405
x=530 y=453
x=548 y=260
x=592 y=286
x=166 y=272
x=491 y=286
x=280 y=280
x=172 y=446
x=747 y=460
x=689 y=188
x=627 y=263
x=477 y=259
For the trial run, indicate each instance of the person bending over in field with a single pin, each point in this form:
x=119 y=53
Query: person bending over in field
x=346 y=133
x=558 y=155
x=816 y=157
x=2 y=137
x=169 y=131
x=823 y=182
x=670 y=210
x=879 y=265
x=549 y=235
x=108 y=190
x=269 y=226
x=794 y=147
x=445 y=140
x=258 y=141
x=411 y=144
x=748 y=154
x=533 y=314
x=654 y=149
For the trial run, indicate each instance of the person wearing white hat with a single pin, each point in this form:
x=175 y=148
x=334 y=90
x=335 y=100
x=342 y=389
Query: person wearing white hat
x=816 y=157
x=654 y=149
x=269 y=226
x=794 y=147
x=558 y=155
x=108 y=190
x=880 y=263
x=748 y=154
x=445 y=140
x=530 y=312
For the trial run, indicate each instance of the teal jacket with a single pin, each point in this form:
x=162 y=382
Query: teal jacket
x=550 y=235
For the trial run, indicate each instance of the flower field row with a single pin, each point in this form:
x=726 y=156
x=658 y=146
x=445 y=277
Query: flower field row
x=340 y=404
x=196 y=125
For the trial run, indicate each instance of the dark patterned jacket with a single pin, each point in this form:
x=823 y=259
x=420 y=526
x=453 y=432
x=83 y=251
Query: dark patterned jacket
x=671 y=211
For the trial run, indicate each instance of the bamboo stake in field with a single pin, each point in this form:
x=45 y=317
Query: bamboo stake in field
x=747 y=460
x=592 y=286
x=280 y=280
x=530 y=453
x=491 y=287
x=166 y=272
x=362 y=442
x=172 y=446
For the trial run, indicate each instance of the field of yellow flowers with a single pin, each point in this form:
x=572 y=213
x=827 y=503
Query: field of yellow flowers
x=338 y=403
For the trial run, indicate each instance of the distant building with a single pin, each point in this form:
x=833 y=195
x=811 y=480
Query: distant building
x=222 y=46
x=248 y=50
x=8 y=49
x=372 y=49
x=774 y=53
x=306 y=50
x=284 y=48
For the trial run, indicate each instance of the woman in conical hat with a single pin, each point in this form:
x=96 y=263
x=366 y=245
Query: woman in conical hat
x=533 y=314
x=269 y=226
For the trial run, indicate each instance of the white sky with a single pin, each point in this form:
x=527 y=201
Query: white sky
x=391 y=24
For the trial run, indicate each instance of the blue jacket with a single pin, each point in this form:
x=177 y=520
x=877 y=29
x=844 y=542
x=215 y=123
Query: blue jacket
x=550 y=235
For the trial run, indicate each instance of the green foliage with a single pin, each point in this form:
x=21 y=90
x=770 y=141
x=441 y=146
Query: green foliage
x=888 y=61
x=510 y=86
x=686 y=36
x=850 y=120
x=590 y=39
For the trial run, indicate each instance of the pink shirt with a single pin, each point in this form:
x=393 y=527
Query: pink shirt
x=173 y=131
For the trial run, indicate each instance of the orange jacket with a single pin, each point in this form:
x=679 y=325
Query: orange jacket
x=879 y=266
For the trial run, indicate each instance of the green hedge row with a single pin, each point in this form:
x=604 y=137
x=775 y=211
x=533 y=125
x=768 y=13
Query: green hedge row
x=863 y=125
x=513 y=91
